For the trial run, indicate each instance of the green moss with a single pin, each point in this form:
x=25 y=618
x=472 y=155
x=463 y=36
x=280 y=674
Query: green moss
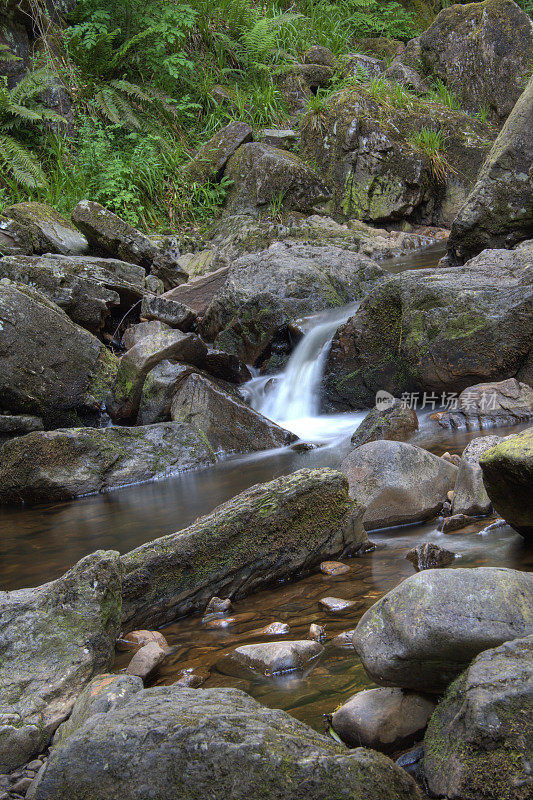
x=102 y=376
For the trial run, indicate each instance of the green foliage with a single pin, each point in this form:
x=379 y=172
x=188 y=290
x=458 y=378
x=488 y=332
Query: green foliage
x=431 y=142
x=441 y=94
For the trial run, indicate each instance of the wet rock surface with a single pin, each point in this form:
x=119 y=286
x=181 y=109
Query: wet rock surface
x=430 y=556
x=395 y=423
x=272 y=658
x=470 y=496
x=458 y=612
x=489 y=404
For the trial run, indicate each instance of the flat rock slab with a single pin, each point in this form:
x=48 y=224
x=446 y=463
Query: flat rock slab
x=171 y=742
x=336 y=605
x=53 y=640
x=272 y=658
x=112 y=234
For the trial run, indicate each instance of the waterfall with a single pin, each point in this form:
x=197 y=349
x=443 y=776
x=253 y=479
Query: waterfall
x=292 y=399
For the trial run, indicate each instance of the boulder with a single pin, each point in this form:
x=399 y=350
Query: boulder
x=429 y=556
x=383 y=719
x=364 y=146
x=357 y=65
x=498 y=212
x=134 y=640
x=135 y=333
x=53 y=640
x=398 y=483
x=334 y=568
x=262 y=175
x=395 y=423
x=438 y=331
x=198 y=292
x=105 y=231
x=102 y=694
x=146 y=660
x=229 y=425
x=169 y=311
x=209 y=162
x=304 y=518
x=336 y=605
x=49 y=231
x=481 y=52
x=124 y=397
x=19 y=424
x=423 y=633
x=470 y=496
x=49 y=367
x=407 y=69
x=271 y=658
x=265 y=291
x=488 y=404
x=170 y=741
x=15 y=239
x=86 y=288
x=226 y=366
x=508 y=479
x=159 y=388
x=283 y=138
x=479 y=742
x=318 y=54
x=46 y=466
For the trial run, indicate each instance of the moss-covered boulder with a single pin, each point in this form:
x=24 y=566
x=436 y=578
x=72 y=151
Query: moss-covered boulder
x=508 y=478
x=364 y=145
x=124 y=396
x=58 y=465
x=170 y=742
x=85 y=287
x=479 y=742
x=482 y=52
x=108 y=233
x=268 y=532
x=209 y=162
x=49 y=366
x=436 y=330
x=53 y=640
x=229 y=425
x=397 y=422
x=499 y=210
x=425 y=632
x=49 y=230
x=266 y=290
x=263 y=175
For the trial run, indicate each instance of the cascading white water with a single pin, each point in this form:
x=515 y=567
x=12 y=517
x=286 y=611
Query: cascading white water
x=292 y=399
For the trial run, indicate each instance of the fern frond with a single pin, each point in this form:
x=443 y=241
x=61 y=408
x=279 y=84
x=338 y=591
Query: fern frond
x=17 y=161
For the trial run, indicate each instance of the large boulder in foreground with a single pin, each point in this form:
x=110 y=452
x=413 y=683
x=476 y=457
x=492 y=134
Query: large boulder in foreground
x=262 y=175
x=265 y=291
x=53 y=640
x=424 y=632
x=49 y=231
x=170 y=742
x=479 y=742
x=499 y=210
x=268 y=532
x=508 y=478
x=229 y=425
x=482 y=52
x=48 y=365
x=469 y=495
x=397 y=482
x=436 y=330
x=46 y=466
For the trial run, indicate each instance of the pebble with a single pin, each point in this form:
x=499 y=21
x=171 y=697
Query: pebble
x=218 y=605
x=146 y=660
x=275 y=629
x=317 y=632
x=218 y=623
x=336 y=605
x=334 y=568
x=137 y=639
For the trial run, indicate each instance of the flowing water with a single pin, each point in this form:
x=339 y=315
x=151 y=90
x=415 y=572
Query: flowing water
x=40 y=543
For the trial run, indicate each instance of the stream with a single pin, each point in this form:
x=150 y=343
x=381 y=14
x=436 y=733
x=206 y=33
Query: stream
x=40 y=543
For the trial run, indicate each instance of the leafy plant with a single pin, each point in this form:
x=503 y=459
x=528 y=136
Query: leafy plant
x=19 y=112
x=483 y=114
x=441 y=94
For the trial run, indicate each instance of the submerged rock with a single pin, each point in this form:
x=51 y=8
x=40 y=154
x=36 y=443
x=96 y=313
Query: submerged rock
x=54 y=639
x=336 y=605
x=267 y=532
x=397 y=482
x=436 y=331
x=59 y=465
x=49 y=367
x=49 y=231
x=171 y=741
x=395 y=423
x=271 y=658
x=508 y=479
x=498 y=212
x=424 y=632
x=383 y=719
x=230 y=426
x=478 y=745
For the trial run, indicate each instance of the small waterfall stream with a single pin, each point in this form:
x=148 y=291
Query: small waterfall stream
x=292 y=399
